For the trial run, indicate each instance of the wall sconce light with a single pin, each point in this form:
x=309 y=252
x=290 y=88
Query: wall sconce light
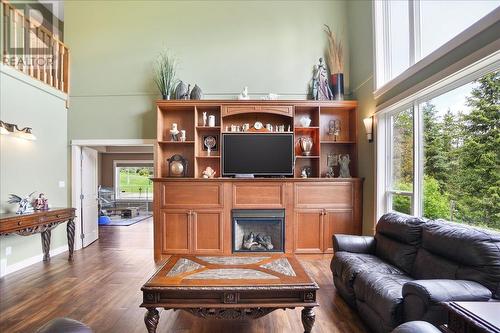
x=369 y=128
x=13 y=129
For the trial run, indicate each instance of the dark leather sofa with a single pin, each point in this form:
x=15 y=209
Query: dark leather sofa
x=411 y=265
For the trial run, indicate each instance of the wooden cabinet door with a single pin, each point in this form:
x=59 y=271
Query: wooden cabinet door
x=337 y=222
x=175 y=231
x=308 y=235
x=207 y=231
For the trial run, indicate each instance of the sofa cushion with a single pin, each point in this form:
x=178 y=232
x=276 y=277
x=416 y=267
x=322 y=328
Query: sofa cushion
x=430 y=266
x=383 y=294
x=347 y=266
x=397 y=239
x=401 y=227
x=476 y=253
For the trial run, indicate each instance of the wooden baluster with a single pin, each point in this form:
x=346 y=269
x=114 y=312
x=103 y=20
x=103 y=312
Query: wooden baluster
x=66 y=71
x=6 y=30
x=45 y=52
x=56 y=64
x=29 y=53
x=39 y=58
x=61 y=64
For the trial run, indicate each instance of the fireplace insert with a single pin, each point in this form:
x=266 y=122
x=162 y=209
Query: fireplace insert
x=258 y=230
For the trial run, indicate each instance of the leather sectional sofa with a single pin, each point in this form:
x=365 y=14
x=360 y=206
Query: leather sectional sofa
x=411 y=265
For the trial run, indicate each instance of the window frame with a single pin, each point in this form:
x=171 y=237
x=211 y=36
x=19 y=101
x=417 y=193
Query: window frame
x=383 y=129
x=381 y=24
x=116 y=179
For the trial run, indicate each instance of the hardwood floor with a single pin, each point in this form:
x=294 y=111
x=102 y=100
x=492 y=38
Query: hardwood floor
x=102 y=289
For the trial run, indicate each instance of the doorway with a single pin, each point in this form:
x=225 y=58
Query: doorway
x=91 y=172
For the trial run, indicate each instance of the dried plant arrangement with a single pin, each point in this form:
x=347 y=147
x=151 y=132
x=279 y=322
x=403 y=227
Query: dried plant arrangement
x=165 y=73
x=335 y=56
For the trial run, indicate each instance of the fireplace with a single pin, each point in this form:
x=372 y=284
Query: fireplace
x=258 y=230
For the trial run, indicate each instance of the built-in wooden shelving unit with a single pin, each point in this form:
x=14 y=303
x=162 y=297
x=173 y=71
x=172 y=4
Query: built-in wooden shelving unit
x=189 y=117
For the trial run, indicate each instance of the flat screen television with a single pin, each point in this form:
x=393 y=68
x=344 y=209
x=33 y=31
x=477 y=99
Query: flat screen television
x=258 y=154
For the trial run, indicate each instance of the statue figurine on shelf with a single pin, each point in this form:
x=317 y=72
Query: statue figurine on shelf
x=208 y=173
x=324 y=93
x=344 y=166
x=182 y=91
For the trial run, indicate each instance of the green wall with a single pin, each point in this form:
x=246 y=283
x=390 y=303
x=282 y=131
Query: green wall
x=361 y=57
x=27 y=166
x=269 y=46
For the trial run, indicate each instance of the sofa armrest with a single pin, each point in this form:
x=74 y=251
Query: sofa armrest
x=435 y=291
x=354 y=244
x=422 y=298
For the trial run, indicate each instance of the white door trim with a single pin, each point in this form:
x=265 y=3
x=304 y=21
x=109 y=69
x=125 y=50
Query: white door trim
x=76 y=147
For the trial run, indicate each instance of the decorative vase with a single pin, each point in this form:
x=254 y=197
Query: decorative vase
x=306 y=145
x=165 y=97
x=338 y=86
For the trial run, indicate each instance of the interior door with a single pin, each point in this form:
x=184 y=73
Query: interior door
x=88 y=197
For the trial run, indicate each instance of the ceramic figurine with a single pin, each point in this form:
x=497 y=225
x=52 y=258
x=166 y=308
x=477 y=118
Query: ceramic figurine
x=344 y=166
x=303 y=173
x=24 y=204
x=196 y=93
x=205 y=119
x=244 y=94
x=208 y=173
x=182 y=91
x=182 y=138
x=174 y=132
x=41 y=203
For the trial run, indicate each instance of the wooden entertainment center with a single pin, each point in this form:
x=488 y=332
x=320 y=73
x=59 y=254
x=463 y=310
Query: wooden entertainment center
x=193 y=215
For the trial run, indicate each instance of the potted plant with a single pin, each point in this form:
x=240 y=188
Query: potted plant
x=164 y=73
x=335 y=60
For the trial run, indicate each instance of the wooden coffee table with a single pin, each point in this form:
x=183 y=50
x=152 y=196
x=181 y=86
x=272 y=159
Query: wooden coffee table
x=230 y=287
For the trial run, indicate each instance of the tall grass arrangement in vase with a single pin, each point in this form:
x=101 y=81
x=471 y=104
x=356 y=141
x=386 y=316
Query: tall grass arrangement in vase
x=335 y=61
x=165 y=70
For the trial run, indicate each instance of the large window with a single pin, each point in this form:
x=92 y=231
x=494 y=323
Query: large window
x=132 y=181
x=407 y=31
x=444 y=154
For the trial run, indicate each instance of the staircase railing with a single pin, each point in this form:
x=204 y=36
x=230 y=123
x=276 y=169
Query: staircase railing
x=33 y=49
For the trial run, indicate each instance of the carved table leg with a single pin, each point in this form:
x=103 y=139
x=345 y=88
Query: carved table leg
x=308 y=318
x=46 y=244
x=70 y=230
x=151 y=319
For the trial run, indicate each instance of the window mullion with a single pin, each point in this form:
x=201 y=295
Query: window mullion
x=417 y=161
x=386 y=40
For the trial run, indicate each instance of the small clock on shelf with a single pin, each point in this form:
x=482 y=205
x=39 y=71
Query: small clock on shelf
x=177 y=166
x=258 y=125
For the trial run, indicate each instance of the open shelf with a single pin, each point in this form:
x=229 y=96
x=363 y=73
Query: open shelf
x=188 y=115
x=336 y=142
x=176 y=142
x=208 y=156
x=208 y=128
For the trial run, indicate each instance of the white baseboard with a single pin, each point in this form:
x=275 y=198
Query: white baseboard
x=6 y=269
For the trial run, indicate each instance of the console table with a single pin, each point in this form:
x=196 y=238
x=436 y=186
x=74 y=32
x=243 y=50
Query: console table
x=472 y=317
x=40 y=222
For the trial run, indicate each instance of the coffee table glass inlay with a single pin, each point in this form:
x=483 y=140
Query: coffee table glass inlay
x=231 y=287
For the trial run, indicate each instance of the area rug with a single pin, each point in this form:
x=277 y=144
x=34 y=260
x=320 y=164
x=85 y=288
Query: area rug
x=126 y=222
